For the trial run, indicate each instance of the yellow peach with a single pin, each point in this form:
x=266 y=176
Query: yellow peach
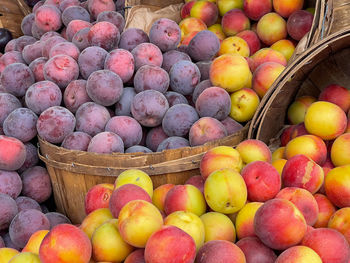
x=159 y=195
x=337 y=186
x=137 y=221
x=217 y=30
x=244 y=103
x=206 y=11
x=310 y=145
x=188 y=222
x=169 y=244
x=255 y=9
x=218 y=227
x=264 y=76
x=226 y=5
x=25 y=257
x=303 y=200
x=264 y=55
x=300 y=254
x=185 y=198
x=340 y=151
x=285 y=46
x=278 y=153
x=7 y=253
x=297 y=110
x=279 y=165
x=94 y=220
x=245 y=220
x=107 y=243
x=191 y=24
x=34 y=242
x=230 y=72
x=271 y=28
x=326 y=120
x=98 y=196
x=325 y=210
x=225 y=191
x=301 y=171
x=286 y=7
x=186 y=9
x=220 y=157
x=65 y=243
x=135 y=176
x=254 y=150
x=279 y=224
x=234 y=45
x=340 y=221
x=234 y=21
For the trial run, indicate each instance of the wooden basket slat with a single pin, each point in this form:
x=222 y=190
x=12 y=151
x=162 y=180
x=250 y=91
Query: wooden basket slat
x=340 y=15
x=26 y=10
x=335 y=18
x=12 y=22
x=10 y=7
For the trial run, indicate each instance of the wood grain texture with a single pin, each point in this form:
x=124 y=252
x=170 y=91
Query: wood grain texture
x=11 y=14
x=334 y=18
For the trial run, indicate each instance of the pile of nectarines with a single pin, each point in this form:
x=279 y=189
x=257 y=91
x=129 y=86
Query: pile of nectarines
x=246 y=205
x=79 y=79
x=257 y=38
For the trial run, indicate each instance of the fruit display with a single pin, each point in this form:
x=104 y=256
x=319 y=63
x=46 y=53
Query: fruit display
x=251 y=33
x=286 y=205
x=83 y=76
x=241 y=208
x=80 y=80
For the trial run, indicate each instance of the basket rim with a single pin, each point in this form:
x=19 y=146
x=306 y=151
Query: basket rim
x=207 y=144
x=189 y=158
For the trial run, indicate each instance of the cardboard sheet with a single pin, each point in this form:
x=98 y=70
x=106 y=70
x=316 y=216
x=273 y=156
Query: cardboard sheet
x=144 y=15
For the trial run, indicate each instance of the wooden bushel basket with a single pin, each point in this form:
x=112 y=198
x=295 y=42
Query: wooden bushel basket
x=325 y=63
x=73 y=173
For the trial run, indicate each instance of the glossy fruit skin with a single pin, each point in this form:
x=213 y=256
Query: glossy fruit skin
x=5 y=37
